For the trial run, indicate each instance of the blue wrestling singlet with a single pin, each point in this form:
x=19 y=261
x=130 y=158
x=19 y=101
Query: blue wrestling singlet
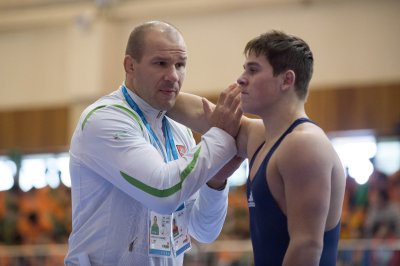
x=268 y=224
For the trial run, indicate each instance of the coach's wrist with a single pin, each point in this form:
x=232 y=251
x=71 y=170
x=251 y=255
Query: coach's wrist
x=217 y=184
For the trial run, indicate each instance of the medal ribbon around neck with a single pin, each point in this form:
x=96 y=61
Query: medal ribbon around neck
x=166 y=128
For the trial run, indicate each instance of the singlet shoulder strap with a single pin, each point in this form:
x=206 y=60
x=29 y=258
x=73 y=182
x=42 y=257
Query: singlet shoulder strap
x=255 y=154
x=276 y=144
x=289 y=130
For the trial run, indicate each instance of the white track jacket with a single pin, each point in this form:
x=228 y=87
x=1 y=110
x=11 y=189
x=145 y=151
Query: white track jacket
x=117 y=175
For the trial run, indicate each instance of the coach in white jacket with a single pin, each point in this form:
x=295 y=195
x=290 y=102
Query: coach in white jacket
x=141 y=187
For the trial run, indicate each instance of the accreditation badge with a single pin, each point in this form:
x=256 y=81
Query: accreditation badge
x=168 y=234
x=180 y=235
x=159 y=235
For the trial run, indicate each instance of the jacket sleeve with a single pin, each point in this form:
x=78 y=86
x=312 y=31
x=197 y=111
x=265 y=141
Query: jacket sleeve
x=113 y=142
x=208 y=214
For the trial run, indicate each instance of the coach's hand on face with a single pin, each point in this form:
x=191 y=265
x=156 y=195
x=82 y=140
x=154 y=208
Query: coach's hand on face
x=227 y=113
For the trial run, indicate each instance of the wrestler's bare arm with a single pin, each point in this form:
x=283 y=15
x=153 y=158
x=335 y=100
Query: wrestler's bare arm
x=189 y=111
x=305 y=166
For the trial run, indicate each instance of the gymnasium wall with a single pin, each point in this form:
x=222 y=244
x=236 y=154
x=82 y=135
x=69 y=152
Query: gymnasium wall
x=57 y=58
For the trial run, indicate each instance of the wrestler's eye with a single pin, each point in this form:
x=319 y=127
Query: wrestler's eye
x=252 y=70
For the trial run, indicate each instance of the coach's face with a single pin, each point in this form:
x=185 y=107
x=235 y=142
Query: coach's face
x=158 y=76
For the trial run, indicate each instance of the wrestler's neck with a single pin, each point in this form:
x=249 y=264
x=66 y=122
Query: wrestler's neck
x=279 y=118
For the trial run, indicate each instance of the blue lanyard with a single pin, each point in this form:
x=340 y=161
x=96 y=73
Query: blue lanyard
x=166 y=128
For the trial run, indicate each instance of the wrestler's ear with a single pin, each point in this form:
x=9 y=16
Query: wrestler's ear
x=289 y=78
x=129 y=64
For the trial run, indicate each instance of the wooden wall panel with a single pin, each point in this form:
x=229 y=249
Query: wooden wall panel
x=374 y=107
x=37 y=130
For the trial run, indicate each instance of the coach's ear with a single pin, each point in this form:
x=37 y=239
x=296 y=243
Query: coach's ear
x=289 y=78
x=129 y=64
